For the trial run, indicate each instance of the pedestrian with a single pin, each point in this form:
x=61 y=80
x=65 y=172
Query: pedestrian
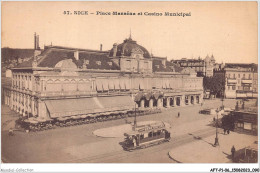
x=228 y=132
x=224 y=131
x=233 y=150
x=214 y=119
x=178 y=114
x=11 y=132
x=134 y=141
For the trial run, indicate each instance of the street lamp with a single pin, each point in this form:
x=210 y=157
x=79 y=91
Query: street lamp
x=216 y=139
x=135 y=124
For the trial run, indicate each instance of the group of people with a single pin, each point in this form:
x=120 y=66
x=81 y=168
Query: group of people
x=225 y=130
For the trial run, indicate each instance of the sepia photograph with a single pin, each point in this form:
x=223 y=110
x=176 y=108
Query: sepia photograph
x=130 y=82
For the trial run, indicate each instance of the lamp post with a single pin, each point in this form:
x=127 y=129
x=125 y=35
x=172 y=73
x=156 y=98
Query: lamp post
x=216 y=139
x=135 y=124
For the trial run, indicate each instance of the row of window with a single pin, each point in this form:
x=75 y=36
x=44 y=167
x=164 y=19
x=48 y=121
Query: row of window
x=150 y=134
x=238 y=75
x=98 y=62
x=245 y=88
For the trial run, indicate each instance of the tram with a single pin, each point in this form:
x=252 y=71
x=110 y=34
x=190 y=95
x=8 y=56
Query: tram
x=146 y=135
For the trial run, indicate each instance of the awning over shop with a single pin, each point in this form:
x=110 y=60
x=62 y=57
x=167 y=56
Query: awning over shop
x=111 y=84
x=116 y=103
x=117 y=85
x=105 y=84
x=127 y=84
x=99 y=85
x=122 y=84
x=70 y=107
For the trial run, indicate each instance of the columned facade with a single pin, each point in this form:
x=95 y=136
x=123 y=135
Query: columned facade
x=161 y=84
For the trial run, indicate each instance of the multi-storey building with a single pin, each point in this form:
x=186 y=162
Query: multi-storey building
x=241 y=80
x=63 y=81
x=203 y=67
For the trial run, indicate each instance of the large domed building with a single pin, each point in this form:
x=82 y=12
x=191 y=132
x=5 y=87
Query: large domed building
x=128 y=48
x=131 y=56
x=63 y=81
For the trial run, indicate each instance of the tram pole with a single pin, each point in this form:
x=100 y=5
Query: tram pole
x=135 y=118
x=216 y=139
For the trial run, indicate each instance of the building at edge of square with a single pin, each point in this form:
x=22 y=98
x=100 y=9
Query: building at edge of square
x=62 y=81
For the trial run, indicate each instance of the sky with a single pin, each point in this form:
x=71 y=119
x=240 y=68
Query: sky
x=228 y=30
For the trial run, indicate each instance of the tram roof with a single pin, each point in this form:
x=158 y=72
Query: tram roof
x=147 y=128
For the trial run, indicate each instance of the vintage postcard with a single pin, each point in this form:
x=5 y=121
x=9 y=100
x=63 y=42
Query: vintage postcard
x=130 y=82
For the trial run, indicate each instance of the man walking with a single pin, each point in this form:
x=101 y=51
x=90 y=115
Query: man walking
x=233 y=150
x=178 y=114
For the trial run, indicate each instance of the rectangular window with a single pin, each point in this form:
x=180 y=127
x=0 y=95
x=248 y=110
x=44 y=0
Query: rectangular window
x=238 y=75
x=234 y=76
x=233 y=87
x=247 y=126
x=228 y=87
x=249 y=76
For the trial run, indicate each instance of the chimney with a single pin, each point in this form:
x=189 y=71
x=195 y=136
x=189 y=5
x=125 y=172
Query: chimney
x=37 y=42
x=114 y=49
x=76 y=55
x=35 y=46
x=101 y=47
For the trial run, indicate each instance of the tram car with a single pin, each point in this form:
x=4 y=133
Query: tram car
x=146 y=135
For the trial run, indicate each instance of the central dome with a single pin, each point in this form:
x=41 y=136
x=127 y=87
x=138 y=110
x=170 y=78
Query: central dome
x=127 y=47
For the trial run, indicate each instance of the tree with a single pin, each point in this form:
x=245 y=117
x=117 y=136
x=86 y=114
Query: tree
x=216 y=84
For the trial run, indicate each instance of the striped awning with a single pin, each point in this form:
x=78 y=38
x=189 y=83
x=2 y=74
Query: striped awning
x=99 y=85
x=105 y=84
x=117 y=85
x=127 y=84
x=86 y=106
x=111 y=85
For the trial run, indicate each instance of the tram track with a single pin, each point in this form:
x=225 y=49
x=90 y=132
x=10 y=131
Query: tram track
x=115 y=157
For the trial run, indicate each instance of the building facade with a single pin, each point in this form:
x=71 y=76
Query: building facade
x=203 y=67
x=61 y=81
x=241 y=80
